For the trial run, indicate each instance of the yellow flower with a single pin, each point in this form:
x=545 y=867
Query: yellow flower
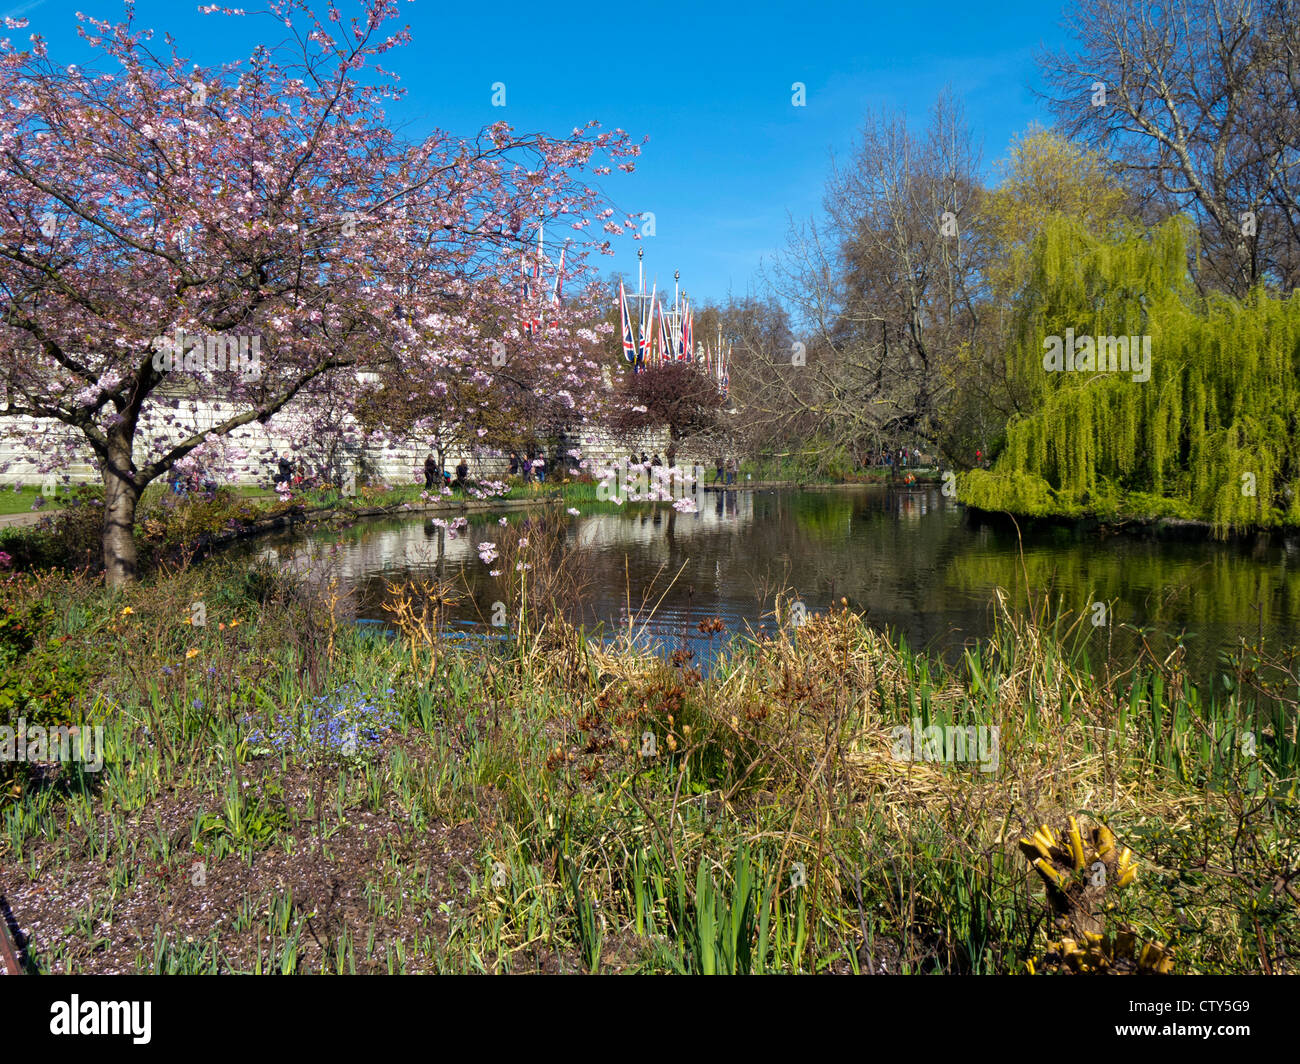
x=191 y=653
x=127 y=611
x=234 y=623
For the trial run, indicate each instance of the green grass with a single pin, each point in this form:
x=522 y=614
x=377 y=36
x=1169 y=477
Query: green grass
x=509 y=822
x=13 y=502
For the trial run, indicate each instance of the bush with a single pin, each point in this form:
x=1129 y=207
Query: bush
x=70 y=538
x=173 y=527
x=42 y=681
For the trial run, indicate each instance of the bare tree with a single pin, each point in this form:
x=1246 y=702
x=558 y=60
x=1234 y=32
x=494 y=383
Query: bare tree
x=886 y=289
x=1198 y=103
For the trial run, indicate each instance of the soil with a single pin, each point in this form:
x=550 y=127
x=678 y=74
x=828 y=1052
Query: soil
x=327 y=886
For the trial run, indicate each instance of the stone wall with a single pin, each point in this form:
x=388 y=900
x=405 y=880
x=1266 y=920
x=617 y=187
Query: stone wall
x=264 y=443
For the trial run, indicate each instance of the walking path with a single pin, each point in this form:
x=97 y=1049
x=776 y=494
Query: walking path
x=12 y=520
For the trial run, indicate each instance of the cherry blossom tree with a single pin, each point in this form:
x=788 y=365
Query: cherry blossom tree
x=677 y=394
x=258 y=234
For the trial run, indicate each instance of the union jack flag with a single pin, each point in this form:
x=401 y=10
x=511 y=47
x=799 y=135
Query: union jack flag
x=647 y=323
x=664 y=348
x=629 y=340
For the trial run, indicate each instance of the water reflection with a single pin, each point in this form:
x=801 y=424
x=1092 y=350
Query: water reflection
x=908 y=558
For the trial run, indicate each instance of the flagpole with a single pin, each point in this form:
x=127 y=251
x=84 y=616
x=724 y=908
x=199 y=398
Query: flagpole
x=654 y=302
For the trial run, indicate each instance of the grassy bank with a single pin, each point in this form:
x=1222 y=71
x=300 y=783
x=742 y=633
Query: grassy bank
x=282 y=791
x=1030 y=497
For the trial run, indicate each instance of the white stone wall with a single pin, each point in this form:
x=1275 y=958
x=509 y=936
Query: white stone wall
x=264 y=443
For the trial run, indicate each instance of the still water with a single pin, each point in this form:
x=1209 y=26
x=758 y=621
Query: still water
x=909 y=559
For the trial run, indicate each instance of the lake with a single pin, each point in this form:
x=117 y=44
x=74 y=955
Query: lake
x=908 y=558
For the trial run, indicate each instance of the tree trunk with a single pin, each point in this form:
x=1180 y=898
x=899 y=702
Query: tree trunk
x=121 y=495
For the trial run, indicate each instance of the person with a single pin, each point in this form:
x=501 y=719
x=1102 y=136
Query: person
x=643 y=457
x=671 y=455
x=284 y=470
x=656 y=460
x=733 y=467
x=717 y=475
x=539 y=464
x=446 y=479
x=514 y=463
x=430 y=472
x=462 y=472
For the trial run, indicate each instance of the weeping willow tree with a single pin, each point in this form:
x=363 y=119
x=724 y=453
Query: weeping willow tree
x=1143 y=398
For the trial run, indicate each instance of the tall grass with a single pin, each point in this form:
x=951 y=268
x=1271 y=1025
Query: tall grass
x=626 y=814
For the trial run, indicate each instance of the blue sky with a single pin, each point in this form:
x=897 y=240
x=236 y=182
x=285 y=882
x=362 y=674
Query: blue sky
x=729 y=158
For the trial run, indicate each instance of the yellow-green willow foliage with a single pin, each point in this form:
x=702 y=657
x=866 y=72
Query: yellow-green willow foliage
x=1212 y=434
x=1044 y=175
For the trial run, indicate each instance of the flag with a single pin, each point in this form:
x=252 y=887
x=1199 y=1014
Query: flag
x=536 y=320
x=688 y=335
x=681 y=333
x=555 y=288
x=665 y=338
x=533 y=287
x=647 y=322
x=559 y=276
x=527 y=296
x=629 y=342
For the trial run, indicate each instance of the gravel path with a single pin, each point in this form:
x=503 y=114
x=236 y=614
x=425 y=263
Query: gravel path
x=8 y=520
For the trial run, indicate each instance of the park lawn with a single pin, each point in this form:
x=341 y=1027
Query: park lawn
x=13 y=502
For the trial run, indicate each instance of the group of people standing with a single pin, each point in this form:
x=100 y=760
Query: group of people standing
x=297 y=474
x=655 y=460
x=528 y=467
x=728 y=467
x=901 y=458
